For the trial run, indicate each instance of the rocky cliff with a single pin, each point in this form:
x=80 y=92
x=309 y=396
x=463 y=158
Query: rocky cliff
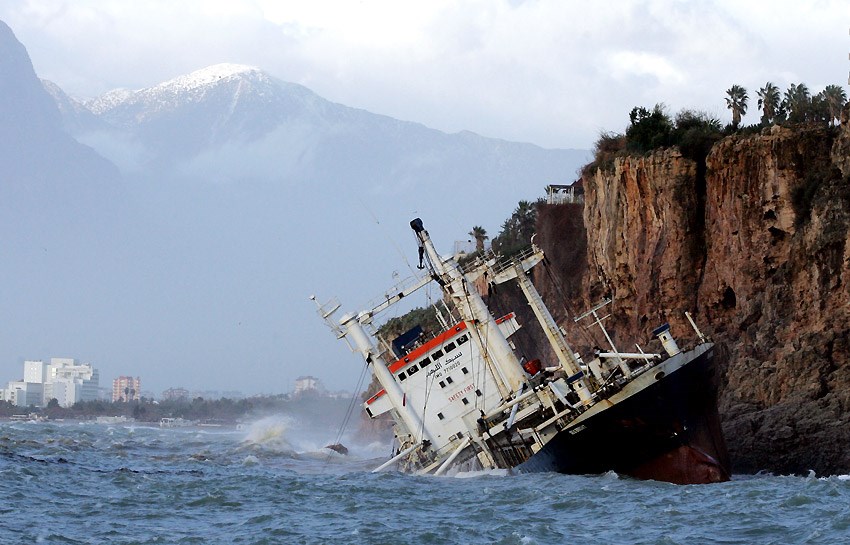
x=755 y=243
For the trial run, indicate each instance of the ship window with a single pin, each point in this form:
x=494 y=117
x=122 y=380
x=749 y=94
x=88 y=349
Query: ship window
x=425 y=362
x=465 y=370
x=465 y=401
x=436 y=355
x=449 y=380
x=401 y=376
x=462 y=339
x=442 y=384
x=413 y=369
x=440 y=416
x=478 y=393
x=449 y=347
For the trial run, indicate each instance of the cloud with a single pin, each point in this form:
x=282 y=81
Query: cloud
x=551 y=72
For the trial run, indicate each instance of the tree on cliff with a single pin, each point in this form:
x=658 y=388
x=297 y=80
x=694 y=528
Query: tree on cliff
x=649 y=129
x=768 y=102
x=835 y=98
x=797 y=102
x=517 y=230
x=480 y=235
x=737 y=102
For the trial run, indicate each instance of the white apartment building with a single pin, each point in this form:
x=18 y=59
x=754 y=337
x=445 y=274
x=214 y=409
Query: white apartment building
x=308 y=385
x=24 y=394
x=64 y=379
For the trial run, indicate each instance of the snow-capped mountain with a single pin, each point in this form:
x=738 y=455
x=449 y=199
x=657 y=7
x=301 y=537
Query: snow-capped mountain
x=76 y=117
x=229 y=122
x=224 y=103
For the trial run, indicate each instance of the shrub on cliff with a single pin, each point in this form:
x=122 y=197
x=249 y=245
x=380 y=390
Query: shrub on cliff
x=695 y=132
x=648 y=129
x=608 y=147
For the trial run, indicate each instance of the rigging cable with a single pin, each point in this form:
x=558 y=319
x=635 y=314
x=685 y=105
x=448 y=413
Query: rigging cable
x=349 y=411
x=385 y=235
x=583 y=331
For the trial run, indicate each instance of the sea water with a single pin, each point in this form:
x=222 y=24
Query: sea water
x=269 y=483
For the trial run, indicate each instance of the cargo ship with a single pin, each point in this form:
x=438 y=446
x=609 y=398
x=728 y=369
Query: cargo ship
x=463 y=400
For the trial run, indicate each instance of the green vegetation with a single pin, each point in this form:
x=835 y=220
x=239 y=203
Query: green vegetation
x=198 y=409
x=692 y=131
x=648 y=129
x=737 y=102
x=517 y=230
x=768 y=103
x=423 y=316
x=695 y=132
x=480 y=235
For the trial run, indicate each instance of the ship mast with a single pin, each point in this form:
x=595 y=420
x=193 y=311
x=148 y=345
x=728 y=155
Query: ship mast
x=493 y=344
x=517 y=270
x=352 y=329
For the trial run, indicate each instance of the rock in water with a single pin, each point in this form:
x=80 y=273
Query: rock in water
x=338 y=447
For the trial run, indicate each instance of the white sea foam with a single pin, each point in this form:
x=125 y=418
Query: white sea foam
x=482 y=473
x=270 y=433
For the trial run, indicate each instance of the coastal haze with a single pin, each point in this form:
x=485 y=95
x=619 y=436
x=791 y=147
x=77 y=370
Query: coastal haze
x=176 y=228
x=176 y=232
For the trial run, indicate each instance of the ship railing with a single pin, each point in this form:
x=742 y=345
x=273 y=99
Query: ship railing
x=403 y=286
x=505 y=263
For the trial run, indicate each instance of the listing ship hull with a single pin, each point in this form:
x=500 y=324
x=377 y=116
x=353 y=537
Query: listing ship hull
x=464 y=399
x=668 y=431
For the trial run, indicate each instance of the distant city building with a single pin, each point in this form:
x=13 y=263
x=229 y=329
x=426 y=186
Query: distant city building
x=24 y=394
x=216 y=394
x=35 y=371
x=126 y=389
x=308 y=385
x=63 y=379
x=175 y=394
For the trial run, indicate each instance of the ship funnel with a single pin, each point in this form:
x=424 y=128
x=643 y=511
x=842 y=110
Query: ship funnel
x=667 y=340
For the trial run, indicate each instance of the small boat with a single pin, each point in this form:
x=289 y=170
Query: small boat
x=464 y=400
x=167 y=422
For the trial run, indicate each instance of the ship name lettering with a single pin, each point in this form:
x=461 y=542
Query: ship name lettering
x=457 y=395
x=577 y=429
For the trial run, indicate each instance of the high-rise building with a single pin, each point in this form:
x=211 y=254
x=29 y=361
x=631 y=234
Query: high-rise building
x=126 y=389
x=63 y=379
x=72 y=381
x=35 y=371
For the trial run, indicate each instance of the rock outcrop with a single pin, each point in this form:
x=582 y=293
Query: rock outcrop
x=755 y=243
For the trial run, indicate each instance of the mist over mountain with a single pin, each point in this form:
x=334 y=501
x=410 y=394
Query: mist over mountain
x=235 y=197
x=36 y=153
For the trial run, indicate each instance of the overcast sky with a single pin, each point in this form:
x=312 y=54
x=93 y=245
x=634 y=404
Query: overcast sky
x=552 y=72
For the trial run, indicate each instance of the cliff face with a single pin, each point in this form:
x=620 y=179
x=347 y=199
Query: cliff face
x=755 y=243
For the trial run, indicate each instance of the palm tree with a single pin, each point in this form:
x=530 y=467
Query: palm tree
x=480 y=235
x=768 y=102
x=797 y=102
x=737 y=102
x=835 y=99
